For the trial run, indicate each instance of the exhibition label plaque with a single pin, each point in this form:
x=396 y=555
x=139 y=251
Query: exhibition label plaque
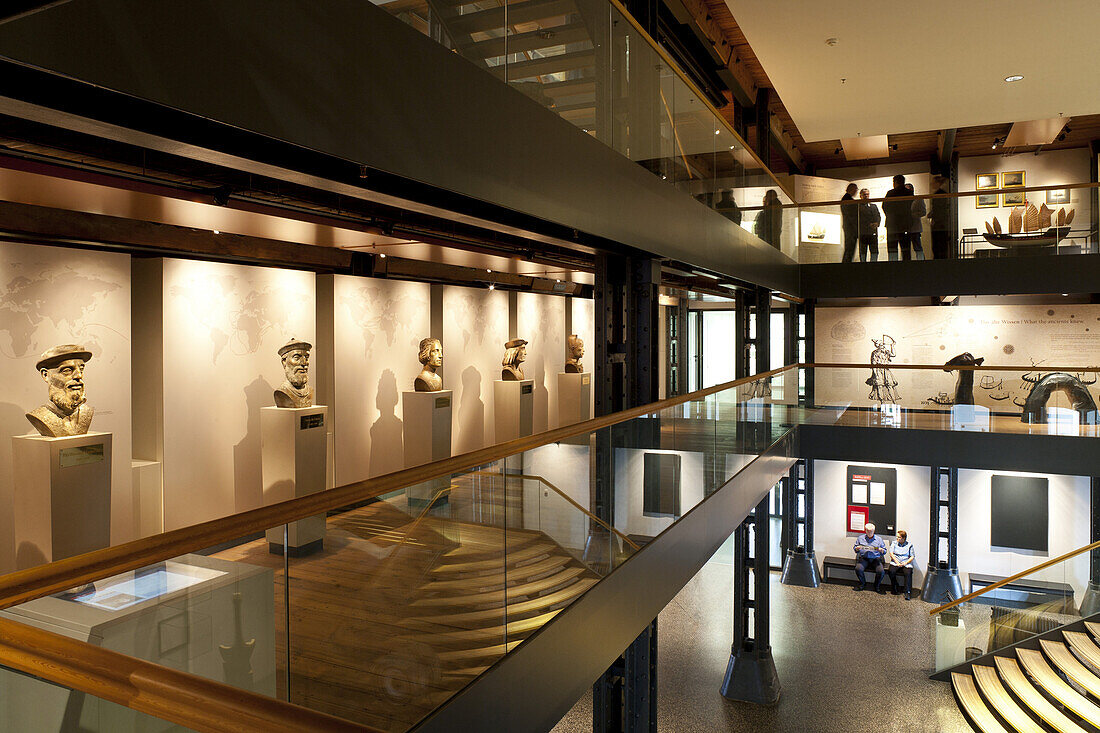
x=80 y=455
x=586 y=379
x=527 y=389
x=312 y=421
x=442 y=402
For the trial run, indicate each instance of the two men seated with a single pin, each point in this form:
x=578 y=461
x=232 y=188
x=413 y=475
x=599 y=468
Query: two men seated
x=871 y=551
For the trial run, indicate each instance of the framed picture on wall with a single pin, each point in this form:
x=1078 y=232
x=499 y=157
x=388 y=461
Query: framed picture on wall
x=985 y=180
x=985 y=201
x=873 y=489
x=1009 y=179
x=1019 y=512
x=1016 y=198
x=1058 y=196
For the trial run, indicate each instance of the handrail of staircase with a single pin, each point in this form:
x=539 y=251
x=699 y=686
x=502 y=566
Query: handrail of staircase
x=1014 y=578
x=578 y=505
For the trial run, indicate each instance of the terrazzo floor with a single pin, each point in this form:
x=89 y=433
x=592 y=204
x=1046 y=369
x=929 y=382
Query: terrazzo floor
x=847 y=662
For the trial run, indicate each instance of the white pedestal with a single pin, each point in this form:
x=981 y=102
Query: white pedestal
x=950 y=644
x=295 y=451
x=426 y=426
x=515 y=408
x=62 y=496
x=574 y=397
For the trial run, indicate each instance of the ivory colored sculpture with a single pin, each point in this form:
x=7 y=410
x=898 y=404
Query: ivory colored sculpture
x=62 y=369
x=431 y=356
x=515 y=355
x=575 y=347
x=295 y=390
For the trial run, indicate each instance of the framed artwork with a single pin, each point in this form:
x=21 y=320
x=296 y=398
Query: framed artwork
x=985 y=201
x=661 y=485
x=874 y=489
x=1013 y=199
x=986 y=180
x=1019 y=510
x=1010 y=179
x=858 y=517
x=1058 y=196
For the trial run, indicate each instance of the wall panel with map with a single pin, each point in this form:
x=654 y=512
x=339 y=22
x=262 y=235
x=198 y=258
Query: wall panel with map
x=222 y=327
x=378 y=325
x=541 y=320
x=475 y=327
x=51 y=296
x=1006 y=335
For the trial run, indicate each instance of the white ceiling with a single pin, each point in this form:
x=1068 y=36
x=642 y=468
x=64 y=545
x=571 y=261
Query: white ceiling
x=925 y=65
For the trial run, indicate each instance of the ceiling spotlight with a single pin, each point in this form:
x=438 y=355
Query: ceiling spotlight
x=997 y=141
x=717 y=131
x=1014 y=77
x=217 y=231
x=382 y=255
x=489 y=271
x=731 y=147
x=492 y=286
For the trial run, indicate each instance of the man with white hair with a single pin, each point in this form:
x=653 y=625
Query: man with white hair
x=870 y=549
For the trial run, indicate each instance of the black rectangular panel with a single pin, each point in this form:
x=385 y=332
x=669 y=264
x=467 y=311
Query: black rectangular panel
x=1019 y=513
x=884 y=513
x=661 y=485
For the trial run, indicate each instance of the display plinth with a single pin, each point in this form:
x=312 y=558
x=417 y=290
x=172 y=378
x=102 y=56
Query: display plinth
x=294 y=451
x=574 y=397
x=800 y=568
x=950 y=643
x=426 y=432
x=515 y=408
x=62 y=496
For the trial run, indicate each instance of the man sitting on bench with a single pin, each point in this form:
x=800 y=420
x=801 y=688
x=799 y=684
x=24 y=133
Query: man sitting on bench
x=870 y=549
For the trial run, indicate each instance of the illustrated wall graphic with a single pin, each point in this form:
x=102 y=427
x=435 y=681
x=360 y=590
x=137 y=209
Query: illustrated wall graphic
x=875 y=490
x=882 y=382
x=1019 y=511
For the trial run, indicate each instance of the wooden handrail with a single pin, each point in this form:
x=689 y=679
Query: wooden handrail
x=195 y=702
x=572 y=501
x=25 y=585
x=1014 y=578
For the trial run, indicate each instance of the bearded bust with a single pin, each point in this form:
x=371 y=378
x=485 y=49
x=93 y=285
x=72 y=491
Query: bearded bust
x=575 y=348
x=431 y=356
x=295 y=390
x=62 y=369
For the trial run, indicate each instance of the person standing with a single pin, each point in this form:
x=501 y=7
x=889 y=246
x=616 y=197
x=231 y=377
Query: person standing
x=849 y=222
x=902 y=557
x=898 y=216
x=869 y=218
x=727 y=206
x=917 y=211
x=940 y=214
x=769 y=220
x=869 y=549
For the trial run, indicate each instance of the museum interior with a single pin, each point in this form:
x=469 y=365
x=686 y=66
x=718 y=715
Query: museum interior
x=461 y=365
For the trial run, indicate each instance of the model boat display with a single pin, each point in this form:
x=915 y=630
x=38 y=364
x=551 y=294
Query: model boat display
x=1030 y=227
x=816 y=233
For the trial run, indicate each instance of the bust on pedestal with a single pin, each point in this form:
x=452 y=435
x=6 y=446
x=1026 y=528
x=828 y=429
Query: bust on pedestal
x=574 y=386
x=294 y=451
x=426 y=423
x=513 y=395
x=62 y=476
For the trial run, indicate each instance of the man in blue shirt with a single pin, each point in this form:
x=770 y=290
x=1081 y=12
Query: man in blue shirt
x=870 y=549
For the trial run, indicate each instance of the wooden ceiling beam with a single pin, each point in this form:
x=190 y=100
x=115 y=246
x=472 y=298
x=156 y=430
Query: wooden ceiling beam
x=732 y=71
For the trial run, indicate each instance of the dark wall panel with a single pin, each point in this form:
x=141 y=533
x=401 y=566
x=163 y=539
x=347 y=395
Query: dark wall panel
x=1019 y=513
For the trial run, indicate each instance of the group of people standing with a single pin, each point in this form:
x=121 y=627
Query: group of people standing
x=860 y=220
x=768 y=224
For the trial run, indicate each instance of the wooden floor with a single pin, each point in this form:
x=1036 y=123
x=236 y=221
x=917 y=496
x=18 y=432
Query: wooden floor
x=399 y=612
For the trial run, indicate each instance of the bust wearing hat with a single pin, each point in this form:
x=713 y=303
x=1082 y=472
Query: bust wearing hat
x=575 y=348
x=62 y=369
x=515 y=355
x=295 y=390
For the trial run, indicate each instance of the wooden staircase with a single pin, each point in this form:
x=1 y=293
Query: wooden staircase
x=1053 y=688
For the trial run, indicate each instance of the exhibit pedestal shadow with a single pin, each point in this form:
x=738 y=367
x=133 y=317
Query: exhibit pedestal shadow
x=751 y=677
x=800 y=568
x=294 y=449
x=426 y=426
x=62 y=496
x=941 y=585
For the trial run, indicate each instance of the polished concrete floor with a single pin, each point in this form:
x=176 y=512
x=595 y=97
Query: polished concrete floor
x=847 y=662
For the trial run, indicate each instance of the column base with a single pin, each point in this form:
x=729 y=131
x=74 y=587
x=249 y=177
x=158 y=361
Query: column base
x=941 y=585
x=800 y=568
x=1090 y=602
x=751 y=677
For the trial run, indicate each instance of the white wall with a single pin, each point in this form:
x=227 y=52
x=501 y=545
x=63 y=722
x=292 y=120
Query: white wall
x=566 y=467
x=541 y=320
x=51 y=296
x=378 y=325
x=223 y=326
x=475 y=327
x=1049 y=168
x=584 y=325
x=1068 y=520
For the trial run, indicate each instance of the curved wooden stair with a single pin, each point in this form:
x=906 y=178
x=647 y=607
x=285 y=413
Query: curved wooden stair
x=1055 y=687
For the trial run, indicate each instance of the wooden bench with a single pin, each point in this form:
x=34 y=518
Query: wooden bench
x=843 y=570
x=1022 y=593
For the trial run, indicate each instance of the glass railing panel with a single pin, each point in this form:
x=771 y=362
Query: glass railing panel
x=1052 y=400
x=997 y=617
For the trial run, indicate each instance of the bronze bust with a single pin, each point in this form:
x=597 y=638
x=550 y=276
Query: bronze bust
x=575 y=348
x=295 y=390
x=431 y=356
x=515 y=355
x=62 y=369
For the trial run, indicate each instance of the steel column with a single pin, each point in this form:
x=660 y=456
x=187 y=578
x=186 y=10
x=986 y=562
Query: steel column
x=624 y=700
x=1090 y=602
x=800 y=563
x=941 y=581
x=750 y=674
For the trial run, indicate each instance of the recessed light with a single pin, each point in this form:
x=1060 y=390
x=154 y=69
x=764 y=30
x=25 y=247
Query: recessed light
x=383 y=256
x=217 y=232
x=492 y=286
x=717 y=131
x=1014 y=77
